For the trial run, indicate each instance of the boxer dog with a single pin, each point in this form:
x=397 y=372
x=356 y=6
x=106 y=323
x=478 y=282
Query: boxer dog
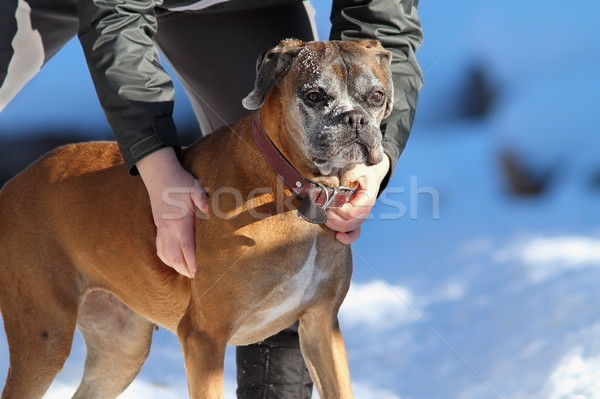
x=77 y=239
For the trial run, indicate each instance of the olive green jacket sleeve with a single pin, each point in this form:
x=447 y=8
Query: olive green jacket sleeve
x=396 y=25
x=134 y=90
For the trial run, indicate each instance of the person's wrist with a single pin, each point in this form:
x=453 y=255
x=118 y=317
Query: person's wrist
x=157 y=166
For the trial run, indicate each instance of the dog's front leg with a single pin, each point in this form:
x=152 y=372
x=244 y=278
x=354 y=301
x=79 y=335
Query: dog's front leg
x=325 y=355
x=204 y=355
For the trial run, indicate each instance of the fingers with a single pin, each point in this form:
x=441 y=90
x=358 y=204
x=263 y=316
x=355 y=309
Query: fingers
x=174 y=195
x=199 y=197
x=347 y=219
x=188 y=248
x=357 y=173
x=174 y=217
x=349 y=237
x=342 y=219
x=351 y=215
x=175 y=233
x=376 y=173
x=175 y=245
x=173 y=259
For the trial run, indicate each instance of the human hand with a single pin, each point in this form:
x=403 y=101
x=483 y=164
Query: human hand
x=174 y=196
x=346 y=220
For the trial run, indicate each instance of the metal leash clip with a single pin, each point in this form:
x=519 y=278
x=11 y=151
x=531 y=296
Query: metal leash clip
x=330 y=198
x=313 y=212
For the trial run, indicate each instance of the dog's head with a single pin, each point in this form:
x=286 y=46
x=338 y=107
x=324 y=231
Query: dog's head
x=333 y=94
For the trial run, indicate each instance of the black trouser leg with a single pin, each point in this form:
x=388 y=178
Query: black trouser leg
x=273 y=369
x=215 y=54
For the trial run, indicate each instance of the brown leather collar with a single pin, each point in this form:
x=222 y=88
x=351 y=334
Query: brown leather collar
x=315 y=196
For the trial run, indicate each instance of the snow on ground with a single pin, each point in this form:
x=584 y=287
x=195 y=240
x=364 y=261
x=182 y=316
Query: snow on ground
x=460 y=290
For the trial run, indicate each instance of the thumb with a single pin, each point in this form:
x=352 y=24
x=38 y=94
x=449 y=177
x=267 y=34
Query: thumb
x=199 y=197
x=363 y=194
x=357 y=173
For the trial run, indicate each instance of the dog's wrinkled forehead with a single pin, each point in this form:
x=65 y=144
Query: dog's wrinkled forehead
x=355 y=64
x=322 y=64
x=317 y=66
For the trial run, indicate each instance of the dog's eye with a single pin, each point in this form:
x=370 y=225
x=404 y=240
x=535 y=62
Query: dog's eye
x=315 y=96
x=377 y=96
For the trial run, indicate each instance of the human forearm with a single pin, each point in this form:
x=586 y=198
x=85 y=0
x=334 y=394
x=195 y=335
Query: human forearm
x=134 y=91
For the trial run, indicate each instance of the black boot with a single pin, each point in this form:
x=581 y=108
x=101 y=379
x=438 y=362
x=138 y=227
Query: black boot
x=273 y=369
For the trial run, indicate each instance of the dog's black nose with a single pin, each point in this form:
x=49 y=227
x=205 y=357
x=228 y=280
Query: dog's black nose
x=354 y=119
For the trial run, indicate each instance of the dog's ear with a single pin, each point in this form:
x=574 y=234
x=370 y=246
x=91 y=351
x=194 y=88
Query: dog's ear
x=384 y=57
x=269 y=67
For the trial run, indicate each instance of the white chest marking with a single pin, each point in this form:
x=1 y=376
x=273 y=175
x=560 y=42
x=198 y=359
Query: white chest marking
x=297 y=289
x=283 y=300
